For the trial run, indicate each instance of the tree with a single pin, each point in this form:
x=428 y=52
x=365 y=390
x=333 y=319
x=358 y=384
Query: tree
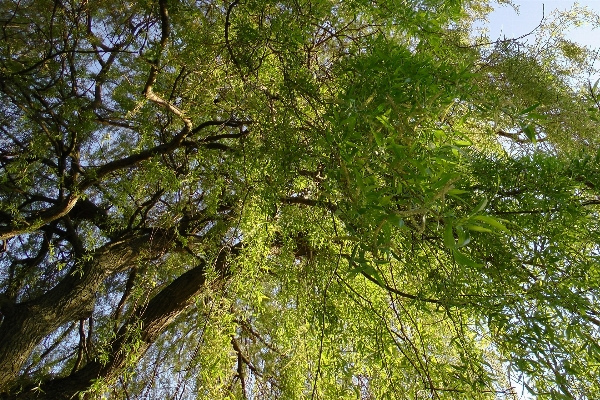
x=295 y=199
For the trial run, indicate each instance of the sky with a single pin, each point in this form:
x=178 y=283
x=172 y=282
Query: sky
x=504 y=21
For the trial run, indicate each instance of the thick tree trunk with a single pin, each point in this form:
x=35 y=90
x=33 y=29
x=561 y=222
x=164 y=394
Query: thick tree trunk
x=154 y=318
x=26 y=324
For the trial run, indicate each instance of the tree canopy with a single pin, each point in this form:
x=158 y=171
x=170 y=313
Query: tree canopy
x=322 y=199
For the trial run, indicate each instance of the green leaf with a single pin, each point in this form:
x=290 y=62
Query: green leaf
x=372 y=272
x=463 y=142
x=537 y=116
x=378 y=135
x=529 y=131
x=481 y=206
x=529 y=109
x=457 y=191
x=395 y=220
x=478 y=228
x=492 y=222
x=463 y=237
x=351 y=123
x=463 y=259
x=385 y=122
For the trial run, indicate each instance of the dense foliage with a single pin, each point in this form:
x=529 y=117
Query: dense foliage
x=295 y=199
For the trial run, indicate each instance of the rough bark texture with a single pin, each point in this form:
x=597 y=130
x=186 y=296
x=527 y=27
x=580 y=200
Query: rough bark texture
x=26 y=324
x=153 y=318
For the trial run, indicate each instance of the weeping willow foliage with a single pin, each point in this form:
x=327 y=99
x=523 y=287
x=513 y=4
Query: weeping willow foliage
x=295 y=199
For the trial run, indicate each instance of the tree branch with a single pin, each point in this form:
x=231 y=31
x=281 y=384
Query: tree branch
x=26 y=324
x=38 y=220
x=309 y=202
x=153 y=318
x=227 y=41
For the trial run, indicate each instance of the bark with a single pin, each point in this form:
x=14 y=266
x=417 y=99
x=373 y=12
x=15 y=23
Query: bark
x=26 y=324
x=36 y=221
x=162 y=309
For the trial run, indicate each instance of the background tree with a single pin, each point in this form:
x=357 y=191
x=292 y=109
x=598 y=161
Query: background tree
x=321 y=199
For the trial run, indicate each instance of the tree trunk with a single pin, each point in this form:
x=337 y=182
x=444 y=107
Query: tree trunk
x=26 y=324
x=154 y=318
